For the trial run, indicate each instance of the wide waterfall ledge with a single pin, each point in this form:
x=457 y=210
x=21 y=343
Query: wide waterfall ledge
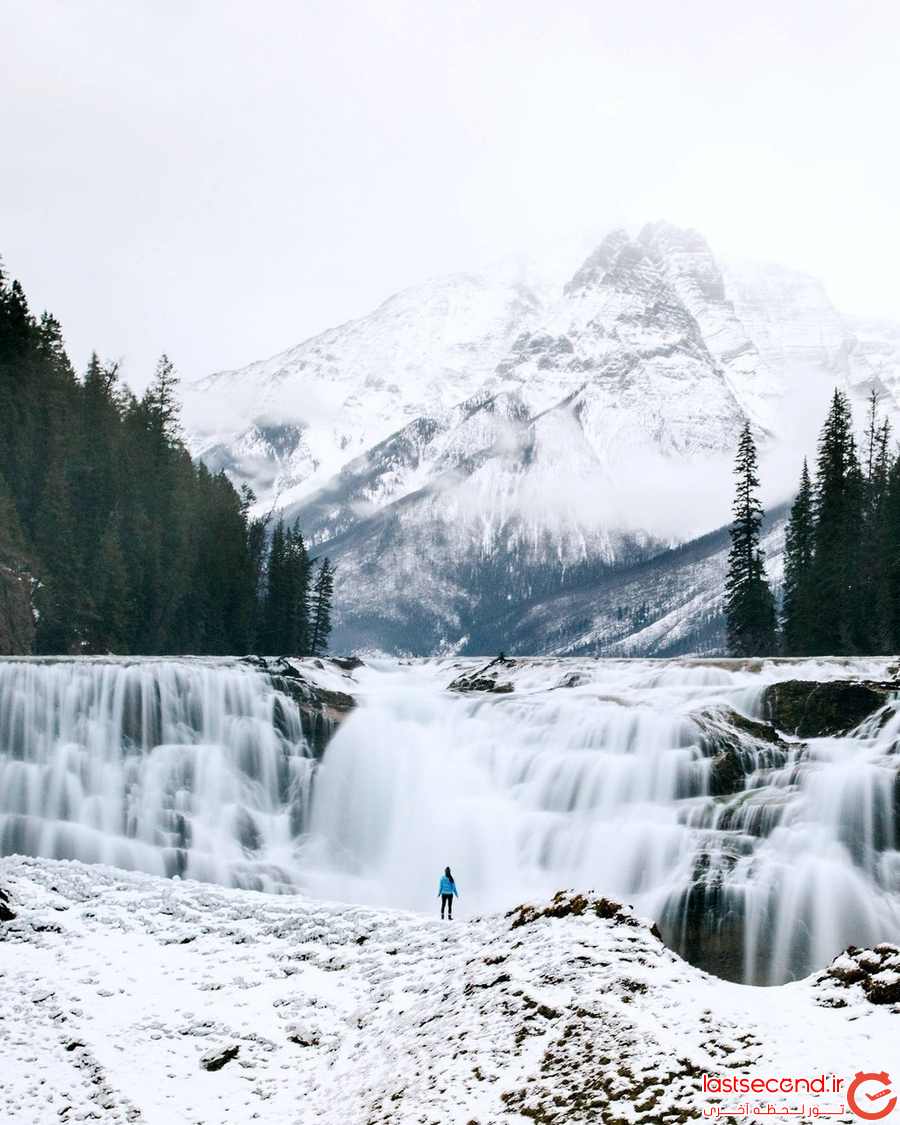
x=751 y=808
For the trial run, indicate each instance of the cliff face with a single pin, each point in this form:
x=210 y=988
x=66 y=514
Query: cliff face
x=16 y=617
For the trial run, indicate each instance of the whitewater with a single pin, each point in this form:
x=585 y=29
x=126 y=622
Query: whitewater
x=590 y=774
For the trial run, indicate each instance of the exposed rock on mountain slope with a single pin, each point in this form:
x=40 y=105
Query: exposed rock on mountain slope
x=662 y=602
x=119 y=989
x=667 y=605
x=297 y=417
x=511 y=446
x=654 y=311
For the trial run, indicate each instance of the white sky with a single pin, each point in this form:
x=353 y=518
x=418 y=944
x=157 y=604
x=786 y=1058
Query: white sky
x=221 y=180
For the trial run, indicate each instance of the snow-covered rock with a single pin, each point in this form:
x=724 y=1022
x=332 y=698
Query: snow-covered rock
x=125 y=997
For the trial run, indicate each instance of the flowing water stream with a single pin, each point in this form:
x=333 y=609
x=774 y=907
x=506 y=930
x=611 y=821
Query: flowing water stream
x=175 y=767
x=591 y=774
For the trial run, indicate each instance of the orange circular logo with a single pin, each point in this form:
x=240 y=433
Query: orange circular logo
x=855 y=1097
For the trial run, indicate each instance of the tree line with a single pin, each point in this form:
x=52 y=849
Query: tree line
x=124 y=543
x=841 y=590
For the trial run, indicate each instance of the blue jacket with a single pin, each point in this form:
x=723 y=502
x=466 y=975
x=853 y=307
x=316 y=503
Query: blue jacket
x=448 y=887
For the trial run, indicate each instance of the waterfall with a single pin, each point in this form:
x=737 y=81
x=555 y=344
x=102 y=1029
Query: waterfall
x=761 y=857
x=175 y=767
x=607 y=785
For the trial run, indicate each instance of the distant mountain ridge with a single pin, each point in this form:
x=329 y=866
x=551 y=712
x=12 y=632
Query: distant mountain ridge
x=478 y=441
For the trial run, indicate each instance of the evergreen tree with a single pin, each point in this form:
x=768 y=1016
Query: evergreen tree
x=13 y=551
x=839 y=503
x=889 y=587
x=161 y=400
x=112 y=597
x=799 y=605
x=255 y=562
x=749 y=605
x=871 y=627
x=322 y=595
x=276 y=593
x=132 y=546
x=296 y=617
x=286 y=611
x=60 y=608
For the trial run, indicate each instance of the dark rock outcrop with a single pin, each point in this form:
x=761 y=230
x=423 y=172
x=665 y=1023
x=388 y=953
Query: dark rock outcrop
x=737 y=746
x=704 y=921
x=322 y=710
x=6 y=913
x=485 y=679
x=810 y=709
x=876 y=971
x=218 y=1059
x=569 y=904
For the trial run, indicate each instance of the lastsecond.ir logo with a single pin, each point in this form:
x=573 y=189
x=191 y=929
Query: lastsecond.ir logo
x=864 y=1101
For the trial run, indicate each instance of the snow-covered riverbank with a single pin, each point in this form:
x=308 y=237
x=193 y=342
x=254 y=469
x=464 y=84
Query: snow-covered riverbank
x=118 y=989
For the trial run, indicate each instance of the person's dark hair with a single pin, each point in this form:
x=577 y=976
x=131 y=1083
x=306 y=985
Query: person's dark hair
x=448 y=874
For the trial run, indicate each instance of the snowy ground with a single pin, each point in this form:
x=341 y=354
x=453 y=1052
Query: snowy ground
x=115 y=987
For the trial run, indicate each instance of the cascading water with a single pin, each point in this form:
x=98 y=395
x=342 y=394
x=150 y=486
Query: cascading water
x=194 y=768
x=648 y=781
x=609 y=784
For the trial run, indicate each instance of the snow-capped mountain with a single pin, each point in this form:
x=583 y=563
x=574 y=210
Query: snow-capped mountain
x=479 y=442
x=298 y=417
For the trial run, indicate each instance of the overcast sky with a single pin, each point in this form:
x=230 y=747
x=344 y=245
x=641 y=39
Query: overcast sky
x=222 y=180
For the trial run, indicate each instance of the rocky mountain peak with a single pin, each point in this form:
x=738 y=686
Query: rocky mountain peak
x=471 y=438
x=593 y=269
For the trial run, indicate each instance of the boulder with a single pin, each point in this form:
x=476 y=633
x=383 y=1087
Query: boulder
x=876 y=971
x=736 y=747
x=569 y=904
x=810 y=709
x=485 y=679
x=217 y=1059
x=321 y=709
x=6 y=913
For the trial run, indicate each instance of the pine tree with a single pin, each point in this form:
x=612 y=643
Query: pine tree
x=798 y=604
x=296 y=615
x=161 y=401
x=276 y=593
x=749 y=605
x=889 y=554
x=871 y=624
x=132 y=546
x=323 y=592
x=112 y=596
x=839 y=506
x=58 y=599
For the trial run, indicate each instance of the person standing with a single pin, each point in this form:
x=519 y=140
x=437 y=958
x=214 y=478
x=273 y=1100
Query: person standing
x=446 y=892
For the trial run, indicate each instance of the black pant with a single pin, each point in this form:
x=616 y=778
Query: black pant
x=447 y=900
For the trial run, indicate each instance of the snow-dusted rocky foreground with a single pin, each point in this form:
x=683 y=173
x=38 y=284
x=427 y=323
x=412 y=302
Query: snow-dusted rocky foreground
x=128 y=997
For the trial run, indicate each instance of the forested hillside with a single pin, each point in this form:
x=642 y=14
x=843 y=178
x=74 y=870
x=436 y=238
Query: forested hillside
x=111 y=538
